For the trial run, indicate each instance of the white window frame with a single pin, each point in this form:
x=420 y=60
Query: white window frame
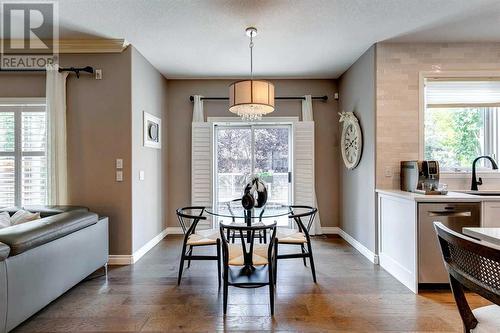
x=18 y=153
x=423 y=75
x=236 y=122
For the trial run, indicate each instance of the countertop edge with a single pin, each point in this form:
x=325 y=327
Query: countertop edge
x=450 y=197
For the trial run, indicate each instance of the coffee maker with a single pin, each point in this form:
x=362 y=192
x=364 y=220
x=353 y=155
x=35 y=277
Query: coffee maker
x=419 y=176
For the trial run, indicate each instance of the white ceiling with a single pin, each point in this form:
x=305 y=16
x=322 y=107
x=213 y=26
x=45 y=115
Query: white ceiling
x=297 y=38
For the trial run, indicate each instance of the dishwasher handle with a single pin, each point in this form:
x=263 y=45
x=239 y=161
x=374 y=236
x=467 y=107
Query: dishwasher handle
x=450 y=213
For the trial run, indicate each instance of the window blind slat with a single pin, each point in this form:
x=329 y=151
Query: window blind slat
x=34 y=180
x=28 y=185
x=7 y=181
x=462 y=92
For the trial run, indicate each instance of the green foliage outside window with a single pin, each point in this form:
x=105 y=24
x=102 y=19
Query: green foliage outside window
x=454 y=136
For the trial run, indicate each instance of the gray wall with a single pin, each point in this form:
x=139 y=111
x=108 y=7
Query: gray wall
x=326 y=136
x=357 y=94
x=99 y=127
x=149 y=93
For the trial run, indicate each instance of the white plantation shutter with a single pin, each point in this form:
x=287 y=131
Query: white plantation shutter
x=23 y=162
x=201 y=164
x=7 y=158
x=34 y=161
x=304 y=182
x=303 y=134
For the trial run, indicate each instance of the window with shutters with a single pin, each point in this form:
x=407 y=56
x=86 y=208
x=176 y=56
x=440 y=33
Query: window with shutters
x=461 y=121
x=23 y=147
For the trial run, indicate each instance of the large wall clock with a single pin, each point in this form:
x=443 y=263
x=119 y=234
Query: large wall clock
x=351 y=141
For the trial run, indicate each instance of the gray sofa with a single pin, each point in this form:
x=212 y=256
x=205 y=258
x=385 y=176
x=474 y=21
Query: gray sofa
x=42 y=259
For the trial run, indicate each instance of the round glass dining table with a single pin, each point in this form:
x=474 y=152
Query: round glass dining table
x=256 y=217
x=235 y=211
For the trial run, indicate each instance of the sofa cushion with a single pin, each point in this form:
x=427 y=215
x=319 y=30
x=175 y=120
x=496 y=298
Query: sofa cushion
x=23 y=216
x=45 y=210
x=4 y=251
x=4 y=219
x=23 y=237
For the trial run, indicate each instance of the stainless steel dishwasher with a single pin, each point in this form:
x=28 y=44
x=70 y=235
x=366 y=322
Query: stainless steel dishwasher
x=453 y=215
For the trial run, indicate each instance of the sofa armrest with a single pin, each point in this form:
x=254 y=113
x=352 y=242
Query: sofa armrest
x=23 y=237
x=4 y=251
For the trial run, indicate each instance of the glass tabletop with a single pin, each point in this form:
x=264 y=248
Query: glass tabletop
x=235 y=210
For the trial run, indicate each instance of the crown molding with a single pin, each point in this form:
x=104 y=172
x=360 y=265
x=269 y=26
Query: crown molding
x=87 y=46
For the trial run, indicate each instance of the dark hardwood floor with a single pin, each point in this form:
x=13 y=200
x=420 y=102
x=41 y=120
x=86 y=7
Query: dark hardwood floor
x=352 y=295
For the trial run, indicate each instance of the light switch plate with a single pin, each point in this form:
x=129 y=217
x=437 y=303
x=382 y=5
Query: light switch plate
x=141 y=174
x=119 y=176
x=98 y=74
x=119 y=163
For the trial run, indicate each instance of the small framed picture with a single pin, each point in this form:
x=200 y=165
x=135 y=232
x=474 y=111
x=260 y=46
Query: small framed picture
x=152 y=131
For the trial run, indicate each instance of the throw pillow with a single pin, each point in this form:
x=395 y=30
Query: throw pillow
x=23 y=216
x=4 y=220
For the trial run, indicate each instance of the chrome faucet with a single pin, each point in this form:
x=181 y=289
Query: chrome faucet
x=476 y=182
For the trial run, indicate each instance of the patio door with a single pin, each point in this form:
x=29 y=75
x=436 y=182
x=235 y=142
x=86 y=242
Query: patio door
x=245 y=150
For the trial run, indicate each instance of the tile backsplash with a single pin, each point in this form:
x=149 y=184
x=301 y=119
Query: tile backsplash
x=397 y=84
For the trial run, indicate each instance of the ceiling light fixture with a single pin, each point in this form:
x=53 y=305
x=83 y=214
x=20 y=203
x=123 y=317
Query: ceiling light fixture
x=251 y=99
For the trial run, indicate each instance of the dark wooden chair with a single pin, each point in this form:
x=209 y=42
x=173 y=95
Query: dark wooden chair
x=475 y=266
x=246 y=264
x=188 y=219
x=299 y=236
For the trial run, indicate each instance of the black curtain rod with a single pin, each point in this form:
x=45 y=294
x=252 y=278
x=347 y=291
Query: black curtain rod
x=76 y=70
x=323 y=98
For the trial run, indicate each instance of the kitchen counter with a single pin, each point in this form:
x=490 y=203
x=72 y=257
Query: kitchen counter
x=450 y=197
x=399 y=216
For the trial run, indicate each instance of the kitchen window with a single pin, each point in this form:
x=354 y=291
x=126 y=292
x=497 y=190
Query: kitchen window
x=461 y=121
x=23 y=148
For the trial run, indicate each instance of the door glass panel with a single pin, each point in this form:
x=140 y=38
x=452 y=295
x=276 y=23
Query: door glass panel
x=246 y=150
x=272 y=161
x=234 y=162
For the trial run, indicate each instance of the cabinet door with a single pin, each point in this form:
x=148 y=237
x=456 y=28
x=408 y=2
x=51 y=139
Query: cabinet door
x=491 y=214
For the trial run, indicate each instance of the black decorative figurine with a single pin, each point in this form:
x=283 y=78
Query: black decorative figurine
x=255 y=194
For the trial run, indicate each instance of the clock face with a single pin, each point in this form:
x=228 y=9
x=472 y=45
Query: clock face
x=351 y=143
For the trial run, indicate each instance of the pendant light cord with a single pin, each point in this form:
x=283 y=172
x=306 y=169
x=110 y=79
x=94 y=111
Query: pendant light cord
x=251 y=56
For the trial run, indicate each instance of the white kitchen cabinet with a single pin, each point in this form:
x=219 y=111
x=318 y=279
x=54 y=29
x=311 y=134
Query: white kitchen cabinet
x=490 y=214
x=397 y=238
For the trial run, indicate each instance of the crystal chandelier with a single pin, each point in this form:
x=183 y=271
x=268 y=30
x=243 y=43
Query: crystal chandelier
x=251 y=99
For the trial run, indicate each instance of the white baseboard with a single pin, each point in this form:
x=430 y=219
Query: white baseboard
x=132 y=259
x=149 y=245
x=119 y=260
x=358 y=246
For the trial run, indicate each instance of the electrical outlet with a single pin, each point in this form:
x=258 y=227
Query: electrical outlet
x=119 y=176
x=119 y=163
x=98 y=74
x=336 y=96
x=388 y=171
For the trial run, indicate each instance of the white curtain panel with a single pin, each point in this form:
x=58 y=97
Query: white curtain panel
x=198 y=113
x=307 y=108
x=56 y=136
x=307 y=115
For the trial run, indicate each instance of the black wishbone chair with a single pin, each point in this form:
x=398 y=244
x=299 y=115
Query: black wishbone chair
x=246 y=264
x=475 y=266
x=262 y=234
x=188 y=219
x=300 y=236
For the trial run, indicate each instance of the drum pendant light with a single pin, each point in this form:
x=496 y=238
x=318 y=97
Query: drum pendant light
x=251 y=99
